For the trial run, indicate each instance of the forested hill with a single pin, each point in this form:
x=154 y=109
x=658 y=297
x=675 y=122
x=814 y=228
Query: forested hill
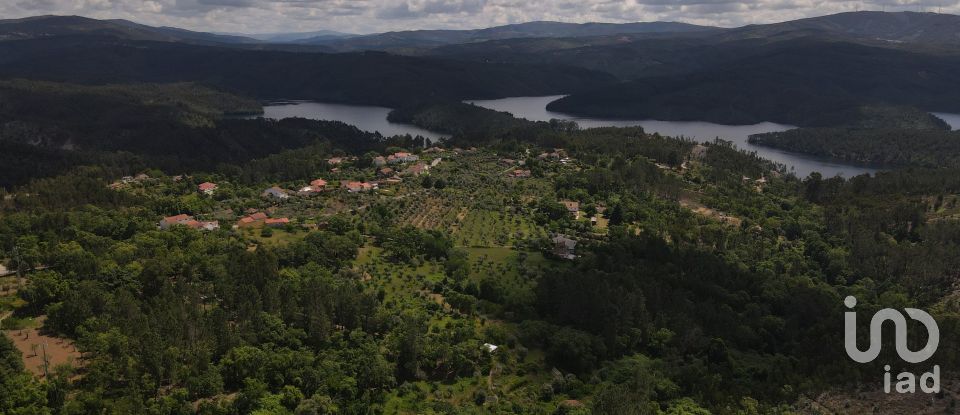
x=804 y=82
x=48 y=128
x=891 y=147
x=362 y=78
x=54 y=26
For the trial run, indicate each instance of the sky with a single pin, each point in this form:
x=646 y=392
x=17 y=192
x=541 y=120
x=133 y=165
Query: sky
x=373 y=16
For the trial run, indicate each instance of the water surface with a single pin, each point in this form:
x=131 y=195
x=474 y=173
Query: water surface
x=364 y=117
x=535 y=109
x=952 y=119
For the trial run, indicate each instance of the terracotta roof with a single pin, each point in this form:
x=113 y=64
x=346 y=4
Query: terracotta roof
x=207 y=186
x=177 y=219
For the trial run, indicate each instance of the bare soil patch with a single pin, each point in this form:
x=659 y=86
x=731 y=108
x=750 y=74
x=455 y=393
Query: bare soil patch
x=34 y=346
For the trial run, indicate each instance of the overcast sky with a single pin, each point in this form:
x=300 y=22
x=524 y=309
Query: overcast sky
x=369 y=16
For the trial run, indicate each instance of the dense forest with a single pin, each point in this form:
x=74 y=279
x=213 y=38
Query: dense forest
x=165 y=252
x=889 y=147
x=362 y=77
x=803 y=82
x=694 y=289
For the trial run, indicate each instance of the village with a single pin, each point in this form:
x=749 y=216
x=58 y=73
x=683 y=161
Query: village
x=424 y=188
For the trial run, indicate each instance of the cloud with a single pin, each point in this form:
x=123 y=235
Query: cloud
x=368 y=16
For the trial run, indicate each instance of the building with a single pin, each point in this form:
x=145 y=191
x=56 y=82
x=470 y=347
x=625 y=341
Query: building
x=520 y=174
x=572 y=207
x=564 y=247
x=357 y=187
x=379 y=161
x=188 y=221
x=315 y=187
x=211 y=225
x=385 y=172
x=277 y=222
x=402 y=157
x=276 y=193
x=333 y=161
x=207 y=188
x=252 y=220
x=415 y=170
x=391 y=181
x=174 y=220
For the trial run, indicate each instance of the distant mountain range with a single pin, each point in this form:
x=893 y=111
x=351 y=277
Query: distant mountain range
x=53 y=26
x=298 y=37
x=804 y=72
x=425 y=39
x=47 y=26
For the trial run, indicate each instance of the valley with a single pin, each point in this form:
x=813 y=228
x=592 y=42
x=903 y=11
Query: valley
x=655 y=218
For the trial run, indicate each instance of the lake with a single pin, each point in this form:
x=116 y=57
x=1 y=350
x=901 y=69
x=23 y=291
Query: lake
x=372 y=118
x=364 y=117
x=952 y=119
x=535 y=109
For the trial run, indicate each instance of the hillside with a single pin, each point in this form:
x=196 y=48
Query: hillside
x=803 y=82
x=362 y=78
x=900 y=27
x=54 y=26
x=426 y=39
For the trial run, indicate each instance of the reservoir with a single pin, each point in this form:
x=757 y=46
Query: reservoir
x=371 y=118
x=364 y=117
x=535 y=109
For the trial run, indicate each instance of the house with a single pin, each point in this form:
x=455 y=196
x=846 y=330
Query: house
x=402 y=157
x=415 y=170
x=174 y=220
x=207 y=188
x=211 y=225
x=275 y=193
x=251 y=220
x=277 y=222
x=556 y=154
x=519 y=174
x=315 y=187
x=379 y=161
x=564 y=247
x=436 y=162
x=490 y=348
x=385 y=172
x=333 y=161
x=572 y=207
x=391 y=181
x=357 y=187
x=188 y=221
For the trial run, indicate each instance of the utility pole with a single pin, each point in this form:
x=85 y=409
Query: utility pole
x=46 y=363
